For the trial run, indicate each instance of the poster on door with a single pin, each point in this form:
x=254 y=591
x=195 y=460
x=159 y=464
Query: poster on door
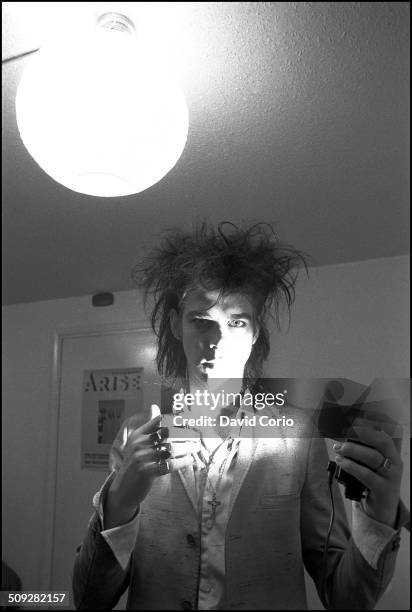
x=109 y=397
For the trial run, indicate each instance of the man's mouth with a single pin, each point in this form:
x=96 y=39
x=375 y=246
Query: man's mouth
x=207 y=364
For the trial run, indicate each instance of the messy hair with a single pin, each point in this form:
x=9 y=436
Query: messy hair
x=229 y=259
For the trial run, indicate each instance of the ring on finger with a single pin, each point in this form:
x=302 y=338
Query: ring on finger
x=159 y=435
x=164 y=450
x=385 y=466
x=156 y=438
x=163 y=467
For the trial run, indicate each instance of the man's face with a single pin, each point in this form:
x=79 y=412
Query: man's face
x=217 y=336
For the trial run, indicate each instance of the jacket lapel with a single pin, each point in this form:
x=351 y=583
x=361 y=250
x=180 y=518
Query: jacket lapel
x=247 y=449
x=188 y=480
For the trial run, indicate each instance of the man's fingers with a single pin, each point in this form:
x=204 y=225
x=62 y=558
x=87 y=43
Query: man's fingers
x=360 y=453
x=137 y=441
x=172 y=464
x=379 y=440
x=142 y=445
x=151 y=425
x=367 y=476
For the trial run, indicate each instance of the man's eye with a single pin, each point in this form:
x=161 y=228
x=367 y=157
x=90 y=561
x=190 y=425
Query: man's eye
x=201 y=322
x=237 y=323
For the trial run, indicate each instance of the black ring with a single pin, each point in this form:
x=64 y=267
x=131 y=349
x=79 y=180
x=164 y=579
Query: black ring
x=164 y=450
x=163 y=467
x=164 y=432
x=158 y=436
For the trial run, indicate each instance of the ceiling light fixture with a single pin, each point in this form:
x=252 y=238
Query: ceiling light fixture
x=102 y=116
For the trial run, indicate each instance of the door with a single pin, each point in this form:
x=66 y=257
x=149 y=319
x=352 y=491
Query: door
x=75 y=487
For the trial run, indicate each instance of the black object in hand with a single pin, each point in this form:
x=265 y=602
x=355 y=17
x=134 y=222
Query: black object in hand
x=354 y=489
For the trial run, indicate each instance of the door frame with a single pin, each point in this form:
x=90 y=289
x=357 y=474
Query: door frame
x=59 y=335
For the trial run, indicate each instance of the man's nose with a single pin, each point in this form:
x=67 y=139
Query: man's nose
x=214 y=337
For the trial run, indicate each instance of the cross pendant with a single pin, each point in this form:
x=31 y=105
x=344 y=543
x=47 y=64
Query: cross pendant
x=214 y=503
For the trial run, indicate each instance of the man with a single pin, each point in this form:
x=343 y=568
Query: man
x=222 y=519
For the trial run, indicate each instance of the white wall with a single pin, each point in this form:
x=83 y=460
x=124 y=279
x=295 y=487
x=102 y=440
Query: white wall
x=349 y=321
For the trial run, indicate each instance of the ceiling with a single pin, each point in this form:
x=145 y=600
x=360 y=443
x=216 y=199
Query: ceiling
x=299 y=115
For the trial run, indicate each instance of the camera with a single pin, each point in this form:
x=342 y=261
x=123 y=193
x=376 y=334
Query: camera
x=336 y=421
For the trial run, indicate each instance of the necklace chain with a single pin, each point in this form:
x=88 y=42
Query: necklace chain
x=214 y=502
